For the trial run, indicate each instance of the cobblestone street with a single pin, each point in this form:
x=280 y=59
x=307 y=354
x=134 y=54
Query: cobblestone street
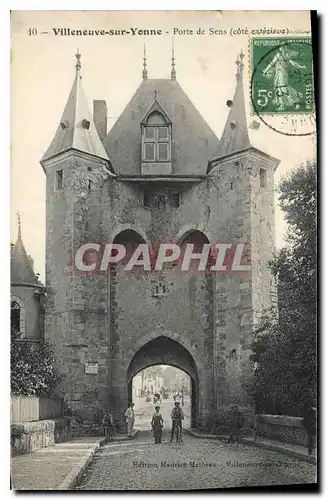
x=194 y=464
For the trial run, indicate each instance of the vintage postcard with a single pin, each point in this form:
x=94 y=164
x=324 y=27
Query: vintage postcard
x=163 y=255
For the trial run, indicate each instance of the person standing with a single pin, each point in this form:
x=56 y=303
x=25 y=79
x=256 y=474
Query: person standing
x=177 y=415
x=130 y=419
x=157 y=425
x=236 y=420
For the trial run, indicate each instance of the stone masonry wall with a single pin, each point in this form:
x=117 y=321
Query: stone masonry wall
x=27 y=437
x=134 y=313
x=282 y=428
x=138 y=316
x=246 y=215
x=74 y=323
x=263 y=233
x=233 y=302
x=105 y=318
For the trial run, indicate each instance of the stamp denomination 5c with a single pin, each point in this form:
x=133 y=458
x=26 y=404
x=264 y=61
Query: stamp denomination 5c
x=282 y=76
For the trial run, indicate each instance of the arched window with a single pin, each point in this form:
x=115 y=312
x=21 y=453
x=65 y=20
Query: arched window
x=130 y=239
x=199 y=241
x=196 y=237
x=156 y=139
x=17 y=315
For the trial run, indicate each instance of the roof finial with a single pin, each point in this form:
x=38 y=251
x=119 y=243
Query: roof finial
x=19 y=225
x=240 y=65
x=155 y=95
x=78 y=61
x=173 y=70
x=235 y=137
x=145 y=71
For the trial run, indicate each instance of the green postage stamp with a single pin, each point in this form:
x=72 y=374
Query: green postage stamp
x=282 y=75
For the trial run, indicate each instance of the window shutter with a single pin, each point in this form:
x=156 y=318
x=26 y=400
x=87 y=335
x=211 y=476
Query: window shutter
x=149 y=132
x=163 y=133
x=149 y=151
x=162 y=151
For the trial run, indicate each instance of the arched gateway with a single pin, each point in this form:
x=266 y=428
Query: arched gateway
x=159 y=176
x=165 y=351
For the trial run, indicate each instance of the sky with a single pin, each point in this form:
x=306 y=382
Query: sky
x=43 y=70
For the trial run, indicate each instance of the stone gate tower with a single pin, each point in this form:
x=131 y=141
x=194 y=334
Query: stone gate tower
x=159 y=175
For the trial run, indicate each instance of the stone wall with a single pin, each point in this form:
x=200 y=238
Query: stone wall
x=233 y=291
x=282 y=428
x=31 y=436
x=246 y=215
x=139 y=316
x=63 y=429
x=261 y=170
x=105 y=318
x=77 y=306
x=99 y=318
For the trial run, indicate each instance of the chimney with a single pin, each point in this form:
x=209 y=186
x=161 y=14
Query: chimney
x=100 y=118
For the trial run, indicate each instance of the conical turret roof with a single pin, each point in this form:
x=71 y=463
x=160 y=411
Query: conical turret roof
x=20 y=263
x=76 y=129
x=235 y=136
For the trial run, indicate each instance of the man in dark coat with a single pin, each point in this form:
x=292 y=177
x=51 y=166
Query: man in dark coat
x=177 y=415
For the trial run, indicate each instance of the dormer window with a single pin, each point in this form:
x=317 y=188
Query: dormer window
x=156 y=142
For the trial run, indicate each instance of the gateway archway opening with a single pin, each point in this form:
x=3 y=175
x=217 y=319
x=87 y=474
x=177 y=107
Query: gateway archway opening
x=161 y=385
x=165 y=352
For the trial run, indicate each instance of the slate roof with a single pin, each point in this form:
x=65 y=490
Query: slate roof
x=20 y=264
x=75 y=135
x=235 y=136
x=193 y=141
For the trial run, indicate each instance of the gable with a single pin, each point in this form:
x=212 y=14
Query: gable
x=193 y=141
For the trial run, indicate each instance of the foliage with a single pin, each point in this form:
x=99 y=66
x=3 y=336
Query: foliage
x=284 y=347
x=16 y=430
x=33 y=370
x=153 y=371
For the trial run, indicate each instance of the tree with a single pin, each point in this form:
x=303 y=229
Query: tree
x=284 y=347
x=176 y=379
x=33 y=370
x=153 y=371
